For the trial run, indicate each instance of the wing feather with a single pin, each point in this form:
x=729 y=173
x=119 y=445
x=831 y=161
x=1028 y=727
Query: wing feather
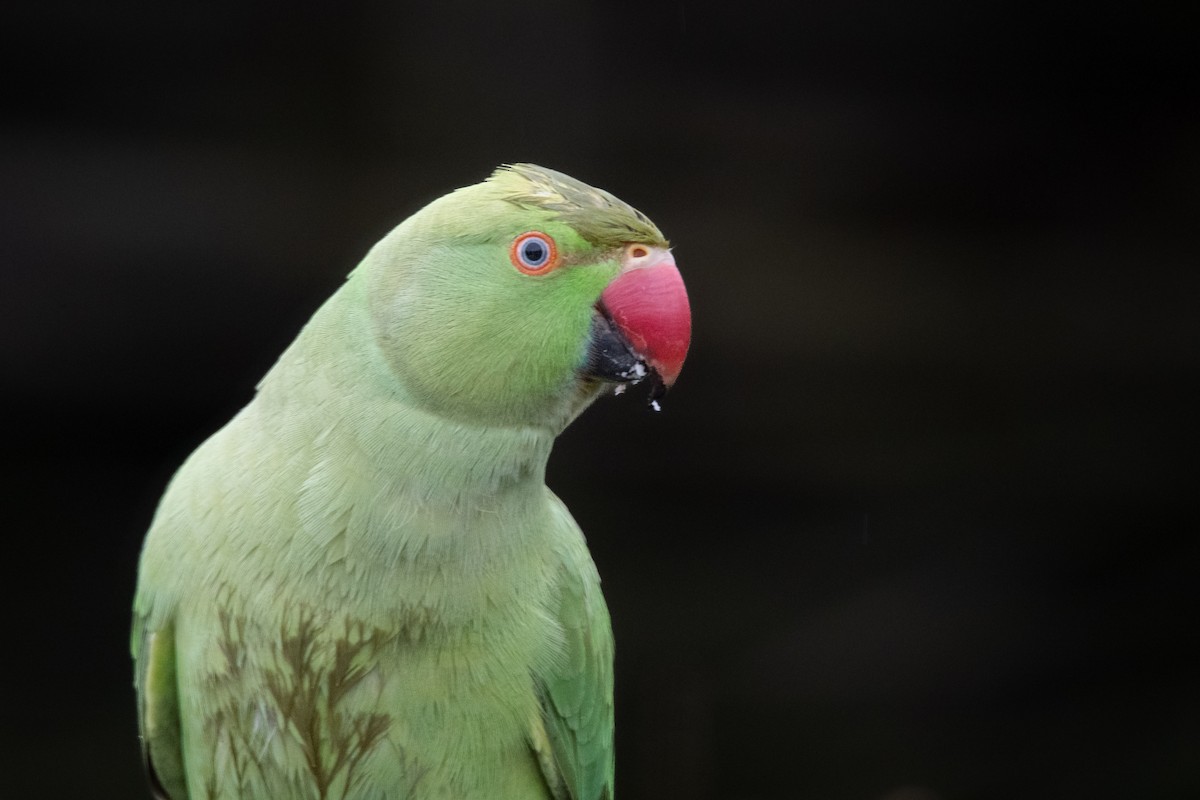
x=577 y=693
x=158 y=710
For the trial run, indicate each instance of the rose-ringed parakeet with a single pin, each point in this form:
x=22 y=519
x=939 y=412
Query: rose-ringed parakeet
x=361 y=587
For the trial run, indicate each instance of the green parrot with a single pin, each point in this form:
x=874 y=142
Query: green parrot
x=361 y=586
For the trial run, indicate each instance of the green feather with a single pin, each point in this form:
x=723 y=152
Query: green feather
x=593 y=213
x=360 y=587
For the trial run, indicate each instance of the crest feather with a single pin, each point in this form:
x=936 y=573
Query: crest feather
x=596 y=215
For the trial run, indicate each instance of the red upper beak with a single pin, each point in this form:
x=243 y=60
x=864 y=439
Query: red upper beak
x=648 y=304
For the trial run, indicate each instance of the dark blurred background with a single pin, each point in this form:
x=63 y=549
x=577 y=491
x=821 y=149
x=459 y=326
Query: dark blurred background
x=916 y=523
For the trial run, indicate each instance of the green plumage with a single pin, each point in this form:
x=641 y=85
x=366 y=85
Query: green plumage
x=361 y=587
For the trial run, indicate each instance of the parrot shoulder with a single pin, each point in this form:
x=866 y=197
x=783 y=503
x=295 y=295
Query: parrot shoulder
x=573 y=738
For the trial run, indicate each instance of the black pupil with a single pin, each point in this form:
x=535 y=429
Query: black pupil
x=535 y=252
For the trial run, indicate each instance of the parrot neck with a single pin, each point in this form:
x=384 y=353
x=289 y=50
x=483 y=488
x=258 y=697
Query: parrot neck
x=377 y=486
x=334 y=385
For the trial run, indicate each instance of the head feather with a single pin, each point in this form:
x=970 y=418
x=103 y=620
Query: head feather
x=596 y=215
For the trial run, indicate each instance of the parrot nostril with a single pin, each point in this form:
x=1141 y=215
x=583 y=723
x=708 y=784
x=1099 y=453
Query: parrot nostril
x=638 y=251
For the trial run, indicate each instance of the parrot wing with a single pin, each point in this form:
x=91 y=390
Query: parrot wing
x=158 y=710
x=574 y=737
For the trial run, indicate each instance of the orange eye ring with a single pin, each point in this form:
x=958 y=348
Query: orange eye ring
x=534 y=253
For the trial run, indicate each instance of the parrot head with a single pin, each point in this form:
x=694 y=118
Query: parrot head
x=517 y=300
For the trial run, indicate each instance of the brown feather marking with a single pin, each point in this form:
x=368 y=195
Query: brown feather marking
x=307 y=678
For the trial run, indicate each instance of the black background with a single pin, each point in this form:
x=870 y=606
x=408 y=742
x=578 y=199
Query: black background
x=916 y=522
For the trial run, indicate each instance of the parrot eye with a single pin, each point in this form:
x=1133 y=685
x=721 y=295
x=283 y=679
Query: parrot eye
x=534 y=253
